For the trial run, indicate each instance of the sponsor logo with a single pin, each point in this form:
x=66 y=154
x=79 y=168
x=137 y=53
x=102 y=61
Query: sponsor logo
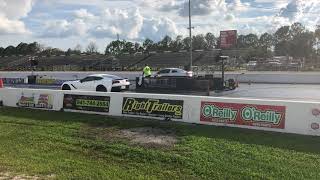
x=42 y=101
x=315 y=126
x=216 y=112
x=153 y=107
x=86 y=103
x=243 y=114
x=253 y=114
x=316 y=112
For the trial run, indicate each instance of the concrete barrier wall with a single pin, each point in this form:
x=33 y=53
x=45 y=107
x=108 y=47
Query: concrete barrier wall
x=267 y=115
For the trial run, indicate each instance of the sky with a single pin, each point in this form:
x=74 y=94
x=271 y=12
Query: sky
x=66 y=23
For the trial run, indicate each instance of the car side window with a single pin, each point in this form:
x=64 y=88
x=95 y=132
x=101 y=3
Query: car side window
x=87 y=79
x=164 y=71
x=98 y=78
x=174 y=71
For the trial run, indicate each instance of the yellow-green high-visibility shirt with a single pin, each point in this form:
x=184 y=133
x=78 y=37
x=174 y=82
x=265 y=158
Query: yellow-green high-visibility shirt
x=147 y=71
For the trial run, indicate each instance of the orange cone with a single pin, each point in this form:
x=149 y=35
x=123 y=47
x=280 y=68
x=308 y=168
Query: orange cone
x=1 y=83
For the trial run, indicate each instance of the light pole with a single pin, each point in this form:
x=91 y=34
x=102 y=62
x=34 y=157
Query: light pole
x=190 y=35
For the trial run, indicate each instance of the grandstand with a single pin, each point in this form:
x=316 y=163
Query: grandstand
x=103 y=63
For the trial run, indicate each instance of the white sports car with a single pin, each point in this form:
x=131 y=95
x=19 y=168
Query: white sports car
x=174 y=72
x=98 y=82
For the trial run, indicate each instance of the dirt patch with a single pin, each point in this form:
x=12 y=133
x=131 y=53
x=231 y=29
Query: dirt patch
x=150 y=137
x=7 y=175
x=145 y=136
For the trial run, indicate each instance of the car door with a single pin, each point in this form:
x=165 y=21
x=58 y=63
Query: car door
x=174 y=72
x=87 y=83
x=100 y=81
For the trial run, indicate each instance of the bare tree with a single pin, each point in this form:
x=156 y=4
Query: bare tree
x=92 y=48
x=78 y=48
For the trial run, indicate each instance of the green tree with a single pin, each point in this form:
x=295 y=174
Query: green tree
x=164 y=44
x=282 y=41
x=186 y=43
x=69 y=52
x=1 y=51
x=128 y=48
x=33 y=48
x=266 y=42
x=317 y=39
x=296 y=29
x=10 y=50
x=301 y=46
x=148 y=45
x=211 y=41
x=177 y=44
x=251 y=41
x=199 y=42
x=115 y=48
x=22 y=48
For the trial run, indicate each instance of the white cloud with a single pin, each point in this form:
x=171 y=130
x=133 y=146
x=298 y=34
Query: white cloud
x=83 y=14
x=11 y=26
x=63 y=28
x=306 y=12
x=157 y=28
x=203 y=7
x=116 y=21
x=11 y=13
x=237 y=5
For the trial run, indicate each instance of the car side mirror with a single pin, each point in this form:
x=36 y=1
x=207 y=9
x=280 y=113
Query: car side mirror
x=81 y=81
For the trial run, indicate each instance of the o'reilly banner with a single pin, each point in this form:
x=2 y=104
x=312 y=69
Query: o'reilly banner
x=243 y=114
x=153 y=107
x=86 y=103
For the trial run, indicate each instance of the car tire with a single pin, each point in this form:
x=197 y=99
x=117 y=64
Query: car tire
x=101 y=88
x=66 y=87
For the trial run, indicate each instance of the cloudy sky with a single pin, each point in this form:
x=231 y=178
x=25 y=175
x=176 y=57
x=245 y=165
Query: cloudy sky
x=65 y=23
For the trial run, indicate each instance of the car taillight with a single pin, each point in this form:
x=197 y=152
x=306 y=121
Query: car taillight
x=189 y=73
x=115 y=82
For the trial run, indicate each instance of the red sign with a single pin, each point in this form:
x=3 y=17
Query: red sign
x=228 y=39
x=243 y=114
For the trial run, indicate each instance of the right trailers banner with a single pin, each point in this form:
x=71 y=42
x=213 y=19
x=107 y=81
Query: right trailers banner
x=268 y=116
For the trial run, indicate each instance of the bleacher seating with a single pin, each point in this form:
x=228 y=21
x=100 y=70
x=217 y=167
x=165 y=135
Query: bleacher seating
x=103 y=62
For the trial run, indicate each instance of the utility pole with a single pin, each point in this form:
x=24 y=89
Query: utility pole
x=118 y=37
x=190 y=35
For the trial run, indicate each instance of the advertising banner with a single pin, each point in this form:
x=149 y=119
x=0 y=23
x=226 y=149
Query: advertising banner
x=153 y=107
x=86 y=103
x=228 y=39
x=39 y=101
x=314 y=120
x=244 y=114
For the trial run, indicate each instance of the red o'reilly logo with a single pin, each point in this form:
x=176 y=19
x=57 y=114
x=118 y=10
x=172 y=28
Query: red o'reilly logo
x=315 y=126
x=316 y=112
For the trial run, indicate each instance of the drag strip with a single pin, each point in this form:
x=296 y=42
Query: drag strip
x=258 y=91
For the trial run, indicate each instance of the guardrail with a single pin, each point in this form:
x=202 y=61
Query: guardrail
x=267 y=115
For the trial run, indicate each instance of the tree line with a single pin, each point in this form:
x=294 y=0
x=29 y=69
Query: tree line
x=36 y=48
x=295 y=41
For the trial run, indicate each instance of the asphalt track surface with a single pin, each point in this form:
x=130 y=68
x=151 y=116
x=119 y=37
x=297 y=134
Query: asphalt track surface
x=254 y=91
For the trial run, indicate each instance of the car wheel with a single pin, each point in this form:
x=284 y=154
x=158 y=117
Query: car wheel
x=66 y=87
x=101 y=89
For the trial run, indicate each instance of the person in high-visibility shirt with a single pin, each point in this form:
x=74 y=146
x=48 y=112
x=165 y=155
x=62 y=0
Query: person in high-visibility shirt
x=146 y=71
